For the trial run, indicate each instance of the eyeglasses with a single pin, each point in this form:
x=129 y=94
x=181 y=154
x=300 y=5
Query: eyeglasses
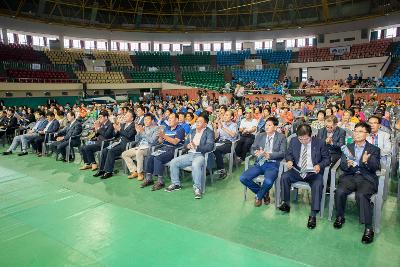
x=359 y=132
x=304 y=138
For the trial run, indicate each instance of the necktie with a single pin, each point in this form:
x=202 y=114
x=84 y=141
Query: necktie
x=268 y=144
x=375 y=139
x=303 y=160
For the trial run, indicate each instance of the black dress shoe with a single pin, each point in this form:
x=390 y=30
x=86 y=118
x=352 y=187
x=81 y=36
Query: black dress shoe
x=5 y=153
x=339 y=222
x=99 y=173
x=312 y=222
x=106 y=175
x=368 y=236
x=24 y=153
x=284 y=207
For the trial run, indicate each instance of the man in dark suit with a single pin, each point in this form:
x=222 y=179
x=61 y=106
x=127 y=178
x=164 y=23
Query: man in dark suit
x=140 y=111
x=306 y=159
x=71 y=131
x=359 y=176
x=10 y=123
x=125 y=133
x=52 y=127
x=269 y=149
x=28 y=137
x=334 y=137
x=104 y=131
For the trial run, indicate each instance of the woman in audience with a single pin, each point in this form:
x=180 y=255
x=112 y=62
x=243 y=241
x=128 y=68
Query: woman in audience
x=320 y=122
x=247 y=130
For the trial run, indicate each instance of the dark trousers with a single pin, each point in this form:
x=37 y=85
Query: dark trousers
x=363 y=189
x=314 y=180
x=219 y=153
x=109 y=155
x=268 y=169
x=37 y=143
x=155 y=164
x=88 y=151
x=243 y=145
x=60 y=147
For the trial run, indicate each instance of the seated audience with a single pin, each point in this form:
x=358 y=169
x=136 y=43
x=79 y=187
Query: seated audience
x=173 y=136
x=359 y=176
x=247 y=130
x=146 y=137
x=104 y=131
x=269 y=149
x=27 y=138
x=306 y=160
x=124 y=130
x=225 y=133
x=47 y=134
x=71 y=131
x=199 y=142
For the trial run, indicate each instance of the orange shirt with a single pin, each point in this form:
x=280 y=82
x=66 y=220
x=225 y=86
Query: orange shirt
x=288 y=117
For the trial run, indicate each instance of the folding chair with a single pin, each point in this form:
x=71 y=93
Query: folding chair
x=260 y=179
x=376 y=199
x=206 y=166
x=305 y=185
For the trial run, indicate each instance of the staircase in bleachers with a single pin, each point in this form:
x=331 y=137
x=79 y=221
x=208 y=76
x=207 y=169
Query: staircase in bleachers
x=228 y=58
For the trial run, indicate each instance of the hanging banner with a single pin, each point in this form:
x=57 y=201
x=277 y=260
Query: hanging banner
x=339 y=51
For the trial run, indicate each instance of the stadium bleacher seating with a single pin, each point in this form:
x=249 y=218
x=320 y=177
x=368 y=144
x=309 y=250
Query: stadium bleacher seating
x=313 y=54
x=142 y=77
x=19 y=52
x=100 y=77
x=377 y=48
x=207 y=79
x=228 y=58
x=153 y=59
x=198 y=58
x=36 y=76
x=396 y=49
x=64 y=57
x=274 y=57
x=115 y=58
x=391 y=82
x=263 y=78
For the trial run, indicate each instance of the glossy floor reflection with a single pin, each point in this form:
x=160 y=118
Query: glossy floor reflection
x=52 y=214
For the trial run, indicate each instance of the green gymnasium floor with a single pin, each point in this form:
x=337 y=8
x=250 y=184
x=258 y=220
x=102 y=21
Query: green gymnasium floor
x=52 y=214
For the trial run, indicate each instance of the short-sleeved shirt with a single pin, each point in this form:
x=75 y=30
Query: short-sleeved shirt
x=178 y=132
x=245 y=124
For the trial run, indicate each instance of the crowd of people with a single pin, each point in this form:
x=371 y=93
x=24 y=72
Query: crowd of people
x=176 y=132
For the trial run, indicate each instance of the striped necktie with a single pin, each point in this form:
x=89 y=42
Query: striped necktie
x=303 y=160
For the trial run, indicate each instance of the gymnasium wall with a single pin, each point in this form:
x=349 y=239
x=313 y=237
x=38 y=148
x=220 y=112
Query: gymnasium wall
x=339 y=69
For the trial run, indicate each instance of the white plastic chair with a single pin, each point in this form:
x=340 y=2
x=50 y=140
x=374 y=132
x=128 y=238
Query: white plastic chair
x=305 y=185
x=376 y=199
x=260 y=179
